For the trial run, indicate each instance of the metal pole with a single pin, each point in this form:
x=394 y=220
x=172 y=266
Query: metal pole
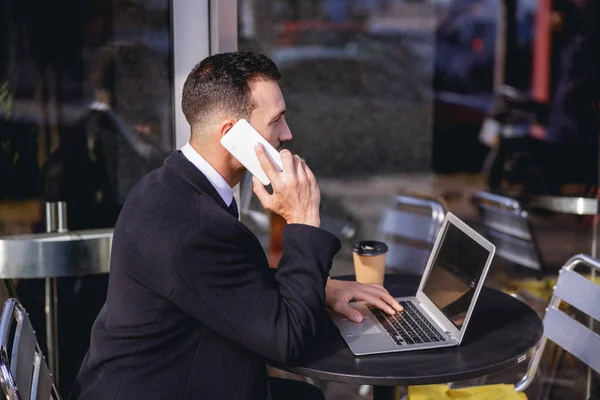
x=51 y=217
x=500 y=49
x=593 y=270
x=61 y=216
x=56 y=221
x=51 y=303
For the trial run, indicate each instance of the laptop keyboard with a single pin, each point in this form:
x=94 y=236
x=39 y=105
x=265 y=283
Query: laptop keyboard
x=408 y=326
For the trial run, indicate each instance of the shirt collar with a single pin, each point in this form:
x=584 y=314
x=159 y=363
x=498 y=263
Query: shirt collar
x=219 y=183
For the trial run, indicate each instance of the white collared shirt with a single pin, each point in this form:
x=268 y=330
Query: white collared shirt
x=219 y=183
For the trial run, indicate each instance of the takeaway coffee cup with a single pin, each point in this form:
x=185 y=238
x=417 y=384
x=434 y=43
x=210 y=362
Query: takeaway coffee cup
x=369 y=261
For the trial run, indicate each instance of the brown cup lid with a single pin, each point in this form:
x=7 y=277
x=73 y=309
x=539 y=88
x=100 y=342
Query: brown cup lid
x=369 y=248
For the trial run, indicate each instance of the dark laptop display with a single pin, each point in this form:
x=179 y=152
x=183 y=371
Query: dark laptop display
x=455 y=274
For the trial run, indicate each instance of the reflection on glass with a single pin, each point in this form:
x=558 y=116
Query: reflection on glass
x=85 y=106
x=356 y=77
x=455 y=274
x=117 y=139
x=85 y=112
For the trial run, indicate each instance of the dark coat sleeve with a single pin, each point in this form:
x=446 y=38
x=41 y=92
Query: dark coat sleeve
x=222 y=279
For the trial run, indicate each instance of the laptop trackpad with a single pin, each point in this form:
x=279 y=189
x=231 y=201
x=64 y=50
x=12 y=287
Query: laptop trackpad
x=366 y=327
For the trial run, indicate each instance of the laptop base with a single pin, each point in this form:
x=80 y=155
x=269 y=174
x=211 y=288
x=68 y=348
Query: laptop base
x=370 y=336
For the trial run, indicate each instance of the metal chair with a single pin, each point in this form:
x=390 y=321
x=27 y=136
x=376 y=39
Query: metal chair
x=507 y=225
x=566 y=332
x=410 y=228
x=24 y=373
x=560 y=328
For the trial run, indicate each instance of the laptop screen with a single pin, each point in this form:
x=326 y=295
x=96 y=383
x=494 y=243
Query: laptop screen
x=456 y=271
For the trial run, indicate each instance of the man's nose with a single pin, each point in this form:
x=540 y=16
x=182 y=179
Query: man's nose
x=286 y=134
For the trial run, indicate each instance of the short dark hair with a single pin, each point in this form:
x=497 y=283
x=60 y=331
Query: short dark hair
x=222 y=81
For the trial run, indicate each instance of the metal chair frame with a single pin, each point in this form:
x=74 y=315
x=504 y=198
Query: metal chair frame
x=24 y=373
x=572 y=336
x=410 y=229
x=518 y=244
x=569 y=334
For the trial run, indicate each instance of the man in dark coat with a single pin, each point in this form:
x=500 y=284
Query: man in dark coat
x=193 y=309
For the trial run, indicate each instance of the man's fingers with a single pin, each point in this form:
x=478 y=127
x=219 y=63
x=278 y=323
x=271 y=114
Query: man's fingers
x=311 y=177
x=374 y=300
x=349 y=312
x=287 y=160
x=392 y=302
x=261 y=192
x=300 y=173
x=266 y=164
x=386 y=296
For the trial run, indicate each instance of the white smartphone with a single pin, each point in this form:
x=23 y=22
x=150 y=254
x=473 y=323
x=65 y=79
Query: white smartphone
x=240 y=141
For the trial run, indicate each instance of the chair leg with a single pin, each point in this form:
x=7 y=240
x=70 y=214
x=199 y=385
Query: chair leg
x=555 y=370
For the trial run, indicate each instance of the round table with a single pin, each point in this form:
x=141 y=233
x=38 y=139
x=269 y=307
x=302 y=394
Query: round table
x=502 y=333
x=50 y=256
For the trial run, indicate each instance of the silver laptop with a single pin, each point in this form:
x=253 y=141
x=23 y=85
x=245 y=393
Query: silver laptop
x=439 y=313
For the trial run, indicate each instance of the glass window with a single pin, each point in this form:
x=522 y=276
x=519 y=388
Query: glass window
x=85 y=106
x=356 y=77
x=359 y=77
x=357 y=80
x=85 y=112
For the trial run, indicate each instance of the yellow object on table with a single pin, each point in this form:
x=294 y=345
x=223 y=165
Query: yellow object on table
x=444 y=392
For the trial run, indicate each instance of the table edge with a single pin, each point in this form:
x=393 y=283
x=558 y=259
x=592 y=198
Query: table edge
x=393 y=381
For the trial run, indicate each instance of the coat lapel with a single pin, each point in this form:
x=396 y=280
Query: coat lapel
x=182 y=167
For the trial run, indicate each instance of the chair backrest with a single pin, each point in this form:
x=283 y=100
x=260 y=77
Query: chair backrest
x=24 y=373
x=507 y=226
x=573 y=336
x=409 y=228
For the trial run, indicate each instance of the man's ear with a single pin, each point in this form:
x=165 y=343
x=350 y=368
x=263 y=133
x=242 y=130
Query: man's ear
x=226 y=126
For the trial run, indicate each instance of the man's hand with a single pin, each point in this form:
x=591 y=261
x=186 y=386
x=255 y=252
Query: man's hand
x=338 y=293
x=296 y=196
